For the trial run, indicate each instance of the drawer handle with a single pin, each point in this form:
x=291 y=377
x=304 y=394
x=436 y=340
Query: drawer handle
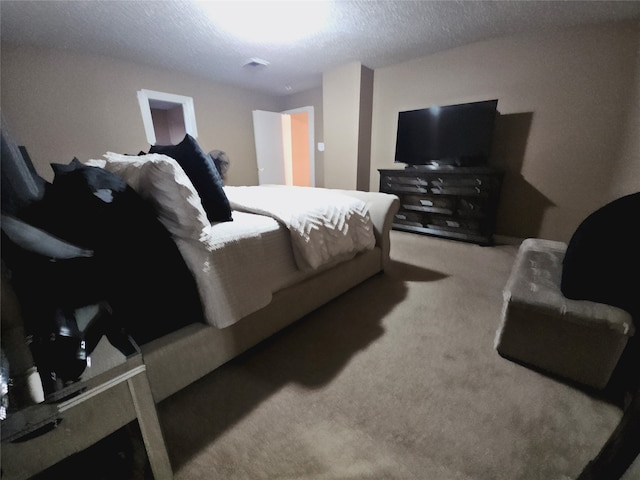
x=46 y=428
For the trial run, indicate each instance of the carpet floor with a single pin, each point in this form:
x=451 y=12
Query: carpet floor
x=396 y=379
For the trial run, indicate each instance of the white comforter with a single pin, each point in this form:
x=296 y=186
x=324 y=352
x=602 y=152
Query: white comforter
x=238 y=265
x=324 y=225
x=228 y=264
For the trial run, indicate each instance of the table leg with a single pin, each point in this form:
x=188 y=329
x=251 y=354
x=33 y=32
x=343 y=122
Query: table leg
x=150 y=427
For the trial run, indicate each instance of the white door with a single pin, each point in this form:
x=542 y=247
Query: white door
x=274 y=147
x=271 y=150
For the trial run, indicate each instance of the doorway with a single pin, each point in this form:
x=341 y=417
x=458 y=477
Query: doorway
x=285 y=146
x=167 y=117
x=168 y=122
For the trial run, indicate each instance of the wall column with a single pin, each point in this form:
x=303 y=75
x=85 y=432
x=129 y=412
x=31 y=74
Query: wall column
x=347 y=106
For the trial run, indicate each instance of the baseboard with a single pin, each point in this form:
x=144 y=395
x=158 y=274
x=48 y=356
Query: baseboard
x=507 y=240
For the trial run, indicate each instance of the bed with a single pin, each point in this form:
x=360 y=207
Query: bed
x=175 y=360
x=258 y=265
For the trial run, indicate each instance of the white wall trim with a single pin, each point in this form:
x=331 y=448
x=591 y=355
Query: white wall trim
x=506 y=240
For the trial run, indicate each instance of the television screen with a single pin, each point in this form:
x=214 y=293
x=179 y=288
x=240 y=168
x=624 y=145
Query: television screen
x=446 y=135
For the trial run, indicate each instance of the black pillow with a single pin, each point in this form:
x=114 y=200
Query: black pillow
x=602 y=261
x=203 y=174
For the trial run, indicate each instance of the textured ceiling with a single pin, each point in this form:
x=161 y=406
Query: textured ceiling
x=177 y=35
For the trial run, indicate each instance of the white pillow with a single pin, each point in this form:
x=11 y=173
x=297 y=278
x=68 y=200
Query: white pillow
x=161 y=180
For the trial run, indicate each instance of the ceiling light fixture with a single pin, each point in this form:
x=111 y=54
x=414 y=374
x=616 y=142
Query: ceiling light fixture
x=268 y=21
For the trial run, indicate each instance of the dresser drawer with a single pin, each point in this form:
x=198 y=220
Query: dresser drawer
x=405 y=180
x=472 y=207
x=404 y=217
x=390 y=187
x=464 y=191
x=429 y=203
x=463 y=181
x=454 y=224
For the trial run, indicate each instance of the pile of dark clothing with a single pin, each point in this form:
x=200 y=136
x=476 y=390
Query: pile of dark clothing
x=88 y=239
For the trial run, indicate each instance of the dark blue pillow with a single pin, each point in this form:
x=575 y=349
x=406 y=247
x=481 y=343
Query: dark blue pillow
x=203 y=174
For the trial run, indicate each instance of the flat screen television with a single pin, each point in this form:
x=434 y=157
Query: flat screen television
x=457 y=135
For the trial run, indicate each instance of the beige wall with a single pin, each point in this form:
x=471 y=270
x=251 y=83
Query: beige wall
x=62 y=105
x=564 y=99
x=626 y=178
x=341 y=113
x=347 y=108
x=364 y=128
x=567 y=137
